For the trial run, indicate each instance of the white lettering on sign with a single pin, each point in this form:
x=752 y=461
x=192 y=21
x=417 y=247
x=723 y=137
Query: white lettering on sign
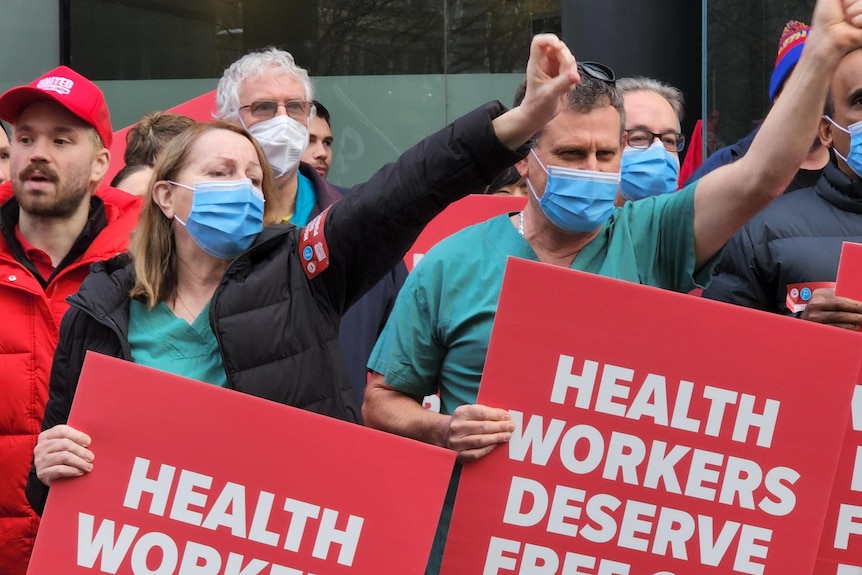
x=697 y=473
x=193 y=502
x=603 y=518
x=611 y=393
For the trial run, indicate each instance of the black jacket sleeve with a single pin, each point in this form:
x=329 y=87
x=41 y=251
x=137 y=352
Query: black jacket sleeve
x=78 y=334
x=740 y=277
x=369 y=231
x=64 y=381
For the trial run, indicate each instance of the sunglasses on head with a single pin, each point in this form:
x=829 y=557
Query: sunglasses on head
x=597 y=71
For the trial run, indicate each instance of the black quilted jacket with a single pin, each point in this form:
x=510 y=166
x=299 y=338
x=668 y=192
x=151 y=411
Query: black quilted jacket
x=277 y=328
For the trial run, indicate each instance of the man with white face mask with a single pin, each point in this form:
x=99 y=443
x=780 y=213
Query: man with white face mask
x=650 y=160
x=437 y=337
x=270 y=96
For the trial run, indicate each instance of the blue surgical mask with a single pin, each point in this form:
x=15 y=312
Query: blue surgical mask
x=646 y=172
x=225 y=217
x=577 y=200
x=854 y=158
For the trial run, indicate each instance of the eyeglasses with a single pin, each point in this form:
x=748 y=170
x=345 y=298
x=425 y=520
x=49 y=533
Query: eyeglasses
x=597 y=71
x=265 y=109
x=672 y=141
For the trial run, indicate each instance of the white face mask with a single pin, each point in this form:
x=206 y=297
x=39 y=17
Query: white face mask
x=283 y=140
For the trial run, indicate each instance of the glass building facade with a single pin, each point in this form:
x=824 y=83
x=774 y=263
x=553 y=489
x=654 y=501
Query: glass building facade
x=392 y=71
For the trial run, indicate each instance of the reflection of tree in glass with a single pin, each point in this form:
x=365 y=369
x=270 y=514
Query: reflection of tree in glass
x=742 y=42
x=379 y=37
x=426 y=36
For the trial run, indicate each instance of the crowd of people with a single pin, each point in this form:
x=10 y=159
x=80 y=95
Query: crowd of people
x=198 y=251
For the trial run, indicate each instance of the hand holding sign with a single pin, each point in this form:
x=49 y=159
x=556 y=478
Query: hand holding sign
x=62 y=452
x=473 y=431
x=693 y=452
x=840 y=306
x=827 y=308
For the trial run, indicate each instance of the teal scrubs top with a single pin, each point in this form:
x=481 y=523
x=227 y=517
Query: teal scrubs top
x=437 y=335
x=161 y=340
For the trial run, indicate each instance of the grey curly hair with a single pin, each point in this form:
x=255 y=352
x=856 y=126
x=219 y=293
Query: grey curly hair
x=252 y=65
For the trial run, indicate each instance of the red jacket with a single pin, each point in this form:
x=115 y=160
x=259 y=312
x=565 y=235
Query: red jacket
x=28 y=335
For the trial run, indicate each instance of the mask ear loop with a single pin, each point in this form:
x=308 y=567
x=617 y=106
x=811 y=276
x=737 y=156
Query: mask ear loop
x=836 y=124
x=527 y=179
x=173 y=183
x=846 y=131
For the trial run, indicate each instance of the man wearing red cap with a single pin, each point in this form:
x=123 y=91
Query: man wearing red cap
x=53 y=226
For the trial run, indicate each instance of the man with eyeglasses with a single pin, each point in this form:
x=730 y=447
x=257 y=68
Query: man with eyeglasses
x=650 y=161
x=271 y=96
x=268 y=94
x=437 y=336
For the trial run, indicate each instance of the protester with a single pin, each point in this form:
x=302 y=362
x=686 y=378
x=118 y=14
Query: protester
x=362 y=323
x=318 y=154
x=789 y=49
x=271 y=327
x=775 y=262
x=133 y=179
x=54 y=225
x=507 y=183
x=248 y=95
x=144 y=141
x=151 y=134
x=270 y=96
x=4 y=155
x=437 y=337
x=650 y=161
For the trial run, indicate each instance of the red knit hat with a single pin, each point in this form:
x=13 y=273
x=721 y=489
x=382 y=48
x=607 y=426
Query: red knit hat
x=69 y=89
x=789 y=49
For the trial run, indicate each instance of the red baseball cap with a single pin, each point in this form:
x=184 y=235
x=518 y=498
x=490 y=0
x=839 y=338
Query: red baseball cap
x=69 y=89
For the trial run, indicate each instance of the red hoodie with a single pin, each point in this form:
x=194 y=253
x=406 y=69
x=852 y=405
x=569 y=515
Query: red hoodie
x=29 y=331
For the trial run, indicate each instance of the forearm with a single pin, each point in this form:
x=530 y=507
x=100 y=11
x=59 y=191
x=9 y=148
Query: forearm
x=728 y=197
x=384 y=216
x=785 y=137
x=390 y=410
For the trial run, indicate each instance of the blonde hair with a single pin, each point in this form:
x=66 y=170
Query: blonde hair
x=153 y=247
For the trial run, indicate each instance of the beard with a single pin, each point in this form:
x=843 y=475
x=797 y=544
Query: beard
x=62 y=202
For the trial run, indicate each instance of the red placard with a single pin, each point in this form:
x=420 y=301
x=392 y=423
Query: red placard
x=841 y=545
x=849 y=280
x=195 y=479
x=458 y=215
x=655 y=434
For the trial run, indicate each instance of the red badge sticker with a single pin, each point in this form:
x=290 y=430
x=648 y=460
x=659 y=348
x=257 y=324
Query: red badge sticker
x=799 y=294
x=313 y=249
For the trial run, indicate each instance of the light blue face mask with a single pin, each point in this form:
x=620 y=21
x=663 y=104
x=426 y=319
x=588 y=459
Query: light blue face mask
x=854 y=158
x=648 y=172
x=225 y=217
x=577 y=200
